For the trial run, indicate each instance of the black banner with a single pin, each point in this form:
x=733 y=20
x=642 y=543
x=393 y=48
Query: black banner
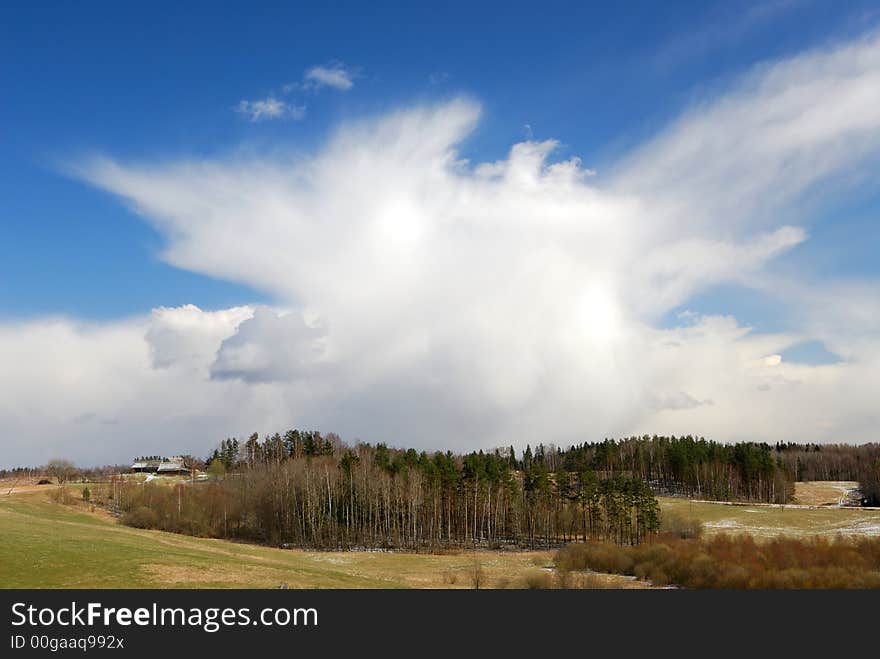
x=396 y=623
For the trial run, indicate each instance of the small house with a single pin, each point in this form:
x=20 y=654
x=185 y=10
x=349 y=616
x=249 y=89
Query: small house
x=145 y=466
x=162 y=467
x=172 y=467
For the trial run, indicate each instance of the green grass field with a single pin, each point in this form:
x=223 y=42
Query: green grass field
x=48 y=545
x=44 y=544
x=769 y=521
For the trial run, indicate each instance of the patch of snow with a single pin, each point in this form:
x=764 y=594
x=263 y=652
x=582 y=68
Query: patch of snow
x=868 y=527
x=724 y=524
x=331 y=559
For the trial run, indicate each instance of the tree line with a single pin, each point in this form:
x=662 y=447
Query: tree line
x=746 y=471
x=835 y=462
x=306 y=490
x=689 y=466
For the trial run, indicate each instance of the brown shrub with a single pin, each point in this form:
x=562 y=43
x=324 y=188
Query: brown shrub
x=62 y=495
x=679 y=526
x=478 y=576
x=736 y=562
x=537 y=579
x=140 y=518
x=565 y=579
x=593 y=581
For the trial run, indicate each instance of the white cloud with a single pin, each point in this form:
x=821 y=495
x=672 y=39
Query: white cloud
x=335 y=75
x=747 y=156
x=727 y=25
x=188 y=336
x=435 y=302
x=95 y=393
x=270 y=108
x=271 y=346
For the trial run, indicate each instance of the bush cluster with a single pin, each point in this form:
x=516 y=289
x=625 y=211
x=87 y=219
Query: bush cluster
x=735 y=562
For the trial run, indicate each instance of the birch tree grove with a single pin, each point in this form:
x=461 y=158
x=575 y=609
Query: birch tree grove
x=310 y=491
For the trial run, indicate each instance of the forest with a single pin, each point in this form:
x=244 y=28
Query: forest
x=835 y=462
x=308 y=490
x=746 y=471
x=688 y=466
x=311 y=491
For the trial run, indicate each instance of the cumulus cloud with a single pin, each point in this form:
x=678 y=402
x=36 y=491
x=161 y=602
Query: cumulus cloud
x=269 y=108
x=189 y=337
x=93 y=392
x=271 y=346
x=426 y=300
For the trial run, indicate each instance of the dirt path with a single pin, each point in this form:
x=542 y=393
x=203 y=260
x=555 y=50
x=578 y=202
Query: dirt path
x=9 y=489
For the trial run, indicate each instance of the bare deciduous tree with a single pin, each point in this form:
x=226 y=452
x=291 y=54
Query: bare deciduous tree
x=61 y=470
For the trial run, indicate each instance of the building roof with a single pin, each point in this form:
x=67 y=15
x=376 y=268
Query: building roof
x=172 y=466
x=145 y=464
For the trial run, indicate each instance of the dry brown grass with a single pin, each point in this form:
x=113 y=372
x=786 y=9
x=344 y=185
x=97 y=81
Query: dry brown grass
x=765 y=522
x=11 y=487
x=181 y=575
x=736 y=562
x=821 y=493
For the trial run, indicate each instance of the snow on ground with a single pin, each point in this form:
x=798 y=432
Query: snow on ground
x=868 y=527
x=724 y=524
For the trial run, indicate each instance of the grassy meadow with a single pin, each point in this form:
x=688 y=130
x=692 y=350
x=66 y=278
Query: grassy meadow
x=44 y=544
x=771 y=521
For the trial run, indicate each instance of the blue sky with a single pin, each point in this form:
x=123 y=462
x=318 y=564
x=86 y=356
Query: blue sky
x=161 y=80
x=137 y=177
